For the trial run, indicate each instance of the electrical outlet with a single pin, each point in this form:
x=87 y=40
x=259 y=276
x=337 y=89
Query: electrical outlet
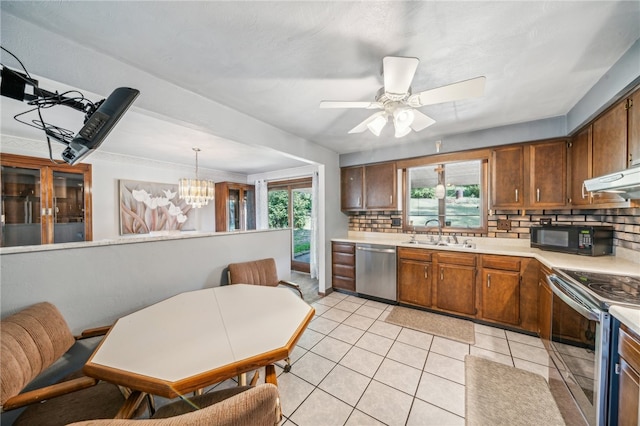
x=504 y=224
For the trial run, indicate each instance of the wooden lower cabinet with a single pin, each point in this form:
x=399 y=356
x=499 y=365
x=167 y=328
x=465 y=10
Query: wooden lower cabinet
x=500 y=289
x=505 y=293
x=629 y=386
x=343 y=260
x=455 y=283
x=501 y=296
x=545 y=298
x=415 y=272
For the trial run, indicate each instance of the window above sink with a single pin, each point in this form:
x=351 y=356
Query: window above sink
x=446 y=197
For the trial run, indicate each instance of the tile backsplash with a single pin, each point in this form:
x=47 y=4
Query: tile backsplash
x=626 y=223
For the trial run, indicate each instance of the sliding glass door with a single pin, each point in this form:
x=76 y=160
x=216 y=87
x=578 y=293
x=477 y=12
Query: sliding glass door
x=290 y=206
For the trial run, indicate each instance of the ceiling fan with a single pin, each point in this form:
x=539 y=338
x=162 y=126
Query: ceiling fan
x=398 y=103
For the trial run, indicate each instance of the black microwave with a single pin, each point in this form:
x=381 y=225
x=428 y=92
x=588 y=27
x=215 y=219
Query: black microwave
x=576 y=239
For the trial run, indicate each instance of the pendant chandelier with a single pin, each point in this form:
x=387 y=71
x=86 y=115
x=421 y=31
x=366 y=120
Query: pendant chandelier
x=196 y=192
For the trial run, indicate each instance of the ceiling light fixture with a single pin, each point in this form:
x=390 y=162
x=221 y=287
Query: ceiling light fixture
x=196 y=192
x=440 y=190
x=402 y=121
x=377 y=124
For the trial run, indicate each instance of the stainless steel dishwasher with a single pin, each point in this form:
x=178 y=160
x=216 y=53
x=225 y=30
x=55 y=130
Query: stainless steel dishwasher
x=376 y=271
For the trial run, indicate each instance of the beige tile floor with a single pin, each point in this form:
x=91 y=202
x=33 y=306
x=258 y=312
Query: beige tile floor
x=352 y=368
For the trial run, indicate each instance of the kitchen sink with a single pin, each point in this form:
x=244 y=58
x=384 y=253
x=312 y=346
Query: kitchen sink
x=441 y=244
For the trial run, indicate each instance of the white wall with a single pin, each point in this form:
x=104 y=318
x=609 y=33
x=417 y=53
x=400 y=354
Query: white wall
x=93 y=284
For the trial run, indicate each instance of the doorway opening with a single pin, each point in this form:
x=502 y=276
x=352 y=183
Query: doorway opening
x=290 y=205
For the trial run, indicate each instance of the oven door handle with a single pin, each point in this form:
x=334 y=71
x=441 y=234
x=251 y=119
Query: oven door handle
x=591 y=314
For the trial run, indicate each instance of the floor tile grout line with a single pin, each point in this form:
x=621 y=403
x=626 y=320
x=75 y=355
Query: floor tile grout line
x=386 y=356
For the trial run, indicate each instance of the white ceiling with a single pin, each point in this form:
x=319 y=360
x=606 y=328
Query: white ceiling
x=275 y=61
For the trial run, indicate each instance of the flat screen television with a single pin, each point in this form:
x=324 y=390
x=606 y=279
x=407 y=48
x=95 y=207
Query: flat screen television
x=99 y=123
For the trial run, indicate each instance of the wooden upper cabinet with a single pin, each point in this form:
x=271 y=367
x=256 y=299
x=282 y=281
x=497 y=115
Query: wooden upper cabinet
x=380 y=186
x=633 y=128
x=351 y=188
x=547 y=187
x=507 y=177
x=580 y=164
x=371 y=187
x=610 y=140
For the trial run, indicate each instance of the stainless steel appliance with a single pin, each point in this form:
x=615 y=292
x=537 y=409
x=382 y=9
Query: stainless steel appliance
x=576 y=239
x=581 y=334
x=376 y=271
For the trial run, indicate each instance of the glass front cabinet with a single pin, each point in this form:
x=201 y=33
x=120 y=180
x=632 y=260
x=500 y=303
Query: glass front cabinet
x=235 y=207
x=44 y=202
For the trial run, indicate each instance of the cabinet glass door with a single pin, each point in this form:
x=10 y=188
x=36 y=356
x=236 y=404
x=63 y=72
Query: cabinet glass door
x=68 y=207
x=234 y=210
x=44 y=202
x=21 y=207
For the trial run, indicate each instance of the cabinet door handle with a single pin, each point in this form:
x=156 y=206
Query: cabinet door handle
x=359 y=203
x=441 y=274
x=538 y=195
x=516 y=195
x=488 y=280
x=426 y=272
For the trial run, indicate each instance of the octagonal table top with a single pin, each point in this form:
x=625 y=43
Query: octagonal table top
x=199 y=338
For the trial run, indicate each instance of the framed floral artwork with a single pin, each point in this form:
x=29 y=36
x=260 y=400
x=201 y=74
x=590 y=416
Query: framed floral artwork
x=147 y=207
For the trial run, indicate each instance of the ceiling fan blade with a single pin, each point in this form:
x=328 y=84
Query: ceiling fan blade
x=398 y=73
x=421 y=121
x=350 y=104
x=452 y=92
x=363 y=126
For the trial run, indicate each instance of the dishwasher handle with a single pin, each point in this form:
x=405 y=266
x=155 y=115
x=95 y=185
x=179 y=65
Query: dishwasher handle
x=377 y=250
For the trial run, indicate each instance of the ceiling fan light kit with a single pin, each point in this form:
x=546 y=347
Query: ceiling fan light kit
x=399 y=104
x=377 y=124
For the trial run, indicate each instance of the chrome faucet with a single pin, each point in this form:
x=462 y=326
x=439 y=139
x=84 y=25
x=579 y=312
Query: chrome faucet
x=439 y=227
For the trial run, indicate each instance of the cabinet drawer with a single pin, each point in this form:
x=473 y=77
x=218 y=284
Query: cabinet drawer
x=344 y=247
x=457 y=258
x=344 y=271
x=414 y=254
x=505 y=263
x=345 y=283
x=629 y=348
x=343 y=258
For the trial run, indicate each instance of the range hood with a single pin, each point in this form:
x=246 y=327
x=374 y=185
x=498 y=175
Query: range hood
x=626 y=183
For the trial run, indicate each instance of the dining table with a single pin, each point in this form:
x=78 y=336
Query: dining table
x=198 y=338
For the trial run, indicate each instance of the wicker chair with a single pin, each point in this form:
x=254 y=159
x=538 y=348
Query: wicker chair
x=239 y=406
x=32 y=340
x=258 y=272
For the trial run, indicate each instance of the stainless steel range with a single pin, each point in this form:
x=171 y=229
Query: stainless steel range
x=616 y=289
x=581 y=333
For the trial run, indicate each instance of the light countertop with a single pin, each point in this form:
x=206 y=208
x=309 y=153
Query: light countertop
x=621 y=265
x=628 y=316
x=625 y=262
x=128 y=239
